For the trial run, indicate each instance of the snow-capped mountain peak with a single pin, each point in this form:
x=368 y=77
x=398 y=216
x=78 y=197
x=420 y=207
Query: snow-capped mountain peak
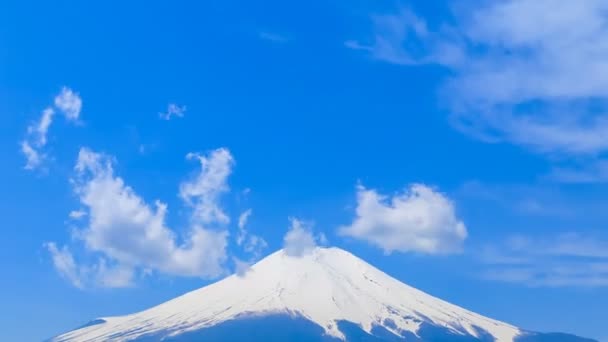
x=325 y=286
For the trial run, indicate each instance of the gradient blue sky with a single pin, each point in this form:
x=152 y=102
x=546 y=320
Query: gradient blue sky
x=497 y=108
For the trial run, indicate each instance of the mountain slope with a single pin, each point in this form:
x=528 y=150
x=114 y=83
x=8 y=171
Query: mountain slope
x=329 y=291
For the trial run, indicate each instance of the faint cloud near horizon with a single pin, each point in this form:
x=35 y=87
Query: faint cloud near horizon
x=592 y=172
x=528 y=200
x=562 y=260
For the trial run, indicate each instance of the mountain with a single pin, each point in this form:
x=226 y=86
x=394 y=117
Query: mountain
x=325 y=295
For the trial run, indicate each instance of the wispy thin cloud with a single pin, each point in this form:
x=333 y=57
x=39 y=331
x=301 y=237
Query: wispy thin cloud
x=251 y=243
x=595 y=171
x=202 y=192
x=33 y=158
x=537 y=200
x=544 y=89
x=68 y=103
x=173 y=111
x=273 y=37
x=562 y=260
x=64 y=263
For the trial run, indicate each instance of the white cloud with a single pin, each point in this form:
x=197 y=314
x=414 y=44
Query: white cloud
x=242 y=234
x=243 y=218
x=563 y=260
x=69 y=103
x=254 y=245
x=417 y=220
x=173 y=110
x=131 y=235
x=82 y=276
x=251 y=243
x=36 y=139
x=203 y=190
x=63 y=261
x=519 y=72
x=116 y=276
x=299 y=239
x=241 y=267
x=43 y=126
x=322 y=238
x=393 y=31
x=77 y=214
x=32 y=156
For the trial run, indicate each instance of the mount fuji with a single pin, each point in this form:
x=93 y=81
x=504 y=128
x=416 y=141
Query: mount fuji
x=326 y=294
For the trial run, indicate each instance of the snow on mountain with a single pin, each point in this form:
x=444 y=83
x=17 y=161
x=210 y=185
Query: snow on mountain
x=326 y=286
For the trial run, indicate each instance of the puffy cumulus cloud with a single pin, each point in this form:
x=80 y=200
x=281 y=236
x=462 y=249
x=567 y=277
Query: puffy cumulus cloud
x=300 y=239
x=203 y=190
x=130 y=235
x=519 y=72
x=561 y=260
x=418 y=220
x=68 y=103
x=173 y=110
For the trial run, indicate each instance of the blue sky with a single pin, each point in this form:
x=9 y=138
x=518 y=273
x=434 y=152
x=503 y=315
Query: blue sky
x=461 y=149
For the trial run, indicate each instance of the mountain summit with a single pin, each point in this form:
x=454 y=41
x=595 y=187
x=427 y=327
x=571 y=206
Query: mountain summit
x=327 y=294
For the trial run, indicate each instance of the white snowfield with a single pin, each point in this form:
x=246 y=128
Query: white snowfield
x=325 y=286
